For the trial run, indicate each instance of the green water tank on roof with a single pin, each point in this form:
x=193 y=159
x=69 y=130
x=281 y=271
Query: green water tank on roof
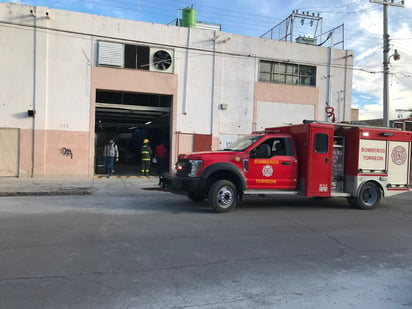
x=189 y=18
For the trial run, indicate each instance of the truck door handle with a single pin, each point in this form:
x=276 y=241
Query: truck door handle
x=285 y=163
x=326 y=160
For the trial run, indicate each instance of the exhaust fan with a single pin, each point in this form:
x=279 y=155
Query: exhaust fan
x=161 y=60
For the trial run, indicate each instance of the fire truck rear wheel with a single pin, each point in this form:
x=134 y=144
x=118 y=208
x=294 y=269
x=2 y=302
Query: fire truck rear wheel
x=195 y=197
x=223 y=196
x=369 y=196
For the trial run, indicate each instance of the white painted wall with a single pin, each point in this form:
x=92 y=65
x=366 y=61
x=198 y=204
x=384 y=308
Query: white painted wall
x=44 y=70
x=238 y=80
x=16 y=74
x=68 y=85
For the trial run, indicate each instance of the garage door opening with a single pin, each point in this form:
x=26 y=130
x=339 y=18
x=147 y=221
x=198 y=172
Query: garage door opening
x=128 y=119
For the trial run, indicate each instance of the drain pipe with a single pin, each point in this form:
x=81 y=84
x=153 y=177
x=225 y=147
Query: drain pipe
x=329 y=84
x=345 y=85
x=185 y=83
x=213 y=100
x=33 y=135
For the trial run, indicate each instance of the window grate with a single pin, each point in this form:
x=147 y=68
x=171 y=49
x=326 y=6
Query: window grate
x=287 y=73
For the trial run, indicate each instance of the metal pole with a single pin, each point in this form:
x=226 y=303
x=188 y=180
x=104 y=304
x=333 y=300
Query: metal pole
x=329 y=84
x=385 y=66
x=386 y=3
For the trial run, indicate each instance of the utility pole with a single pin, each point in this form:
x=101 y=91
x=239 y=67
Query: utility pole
x=386 y=3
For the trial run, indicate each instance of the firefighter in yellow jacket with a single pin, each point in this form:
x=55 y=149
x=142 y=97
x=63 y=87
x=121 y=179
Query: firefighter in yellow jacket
x=146 y=153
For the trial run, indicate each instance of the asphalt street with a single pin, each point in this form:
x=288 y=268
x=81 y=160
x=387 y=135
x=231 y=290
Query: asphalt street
x=131 y=246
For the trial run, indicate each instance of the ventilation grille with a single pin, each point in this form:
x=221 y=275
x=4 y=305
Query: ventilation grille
x=111 y=54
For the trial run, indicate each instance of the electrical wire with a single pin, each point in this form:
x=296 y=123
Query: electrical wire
x=358 y=67
x=87 y=36
x=233 y=19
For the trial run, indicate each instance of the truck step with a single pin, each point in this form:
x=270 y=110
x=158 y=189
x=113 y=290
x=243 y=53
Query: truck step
x=270 y=192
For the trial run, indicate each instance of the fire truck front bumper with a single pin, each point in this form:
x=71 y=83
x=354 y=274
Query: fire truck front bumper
x=182 y=185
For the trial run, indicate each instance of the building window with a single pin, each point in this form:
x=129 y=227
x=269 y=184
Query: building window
x=287 y=73
x=123 y=55
x=136 y=57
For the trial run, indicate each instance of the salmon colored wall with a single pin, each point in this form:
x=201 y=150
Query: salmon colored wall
x=184 y=144
x=270 y=92
x=216 y=143
x=25 y=159
x=48 y=158
x=134 y=80
x=57 y=164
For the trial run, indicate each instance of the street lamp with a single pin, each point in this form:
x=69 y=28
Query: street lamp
x=386 y=60
x=396 y=56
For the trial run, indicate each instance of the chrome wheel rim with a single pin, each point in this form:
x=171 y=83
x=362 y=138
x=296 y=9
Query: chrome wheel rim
x=225 y=197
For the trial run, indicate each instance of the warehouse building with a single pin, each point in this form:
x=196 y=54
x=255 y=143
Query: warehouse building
x=70 y=81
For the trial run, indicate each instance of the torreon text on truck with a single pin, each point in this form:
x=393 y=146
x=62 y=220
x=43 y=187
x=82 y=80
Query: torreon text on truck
x=314 y=159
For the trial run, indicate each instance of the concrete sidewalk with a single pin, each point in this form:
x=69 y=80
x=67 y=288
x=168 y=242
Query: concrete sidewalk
x=13 y=186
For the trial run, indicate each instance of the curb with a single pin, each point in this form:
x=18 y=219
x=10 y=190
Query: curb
x=79 y=191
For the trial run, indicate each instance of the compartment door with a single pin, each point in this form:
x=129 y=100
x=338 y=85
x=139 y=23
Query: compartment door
x=319 y=176
x=398 y=163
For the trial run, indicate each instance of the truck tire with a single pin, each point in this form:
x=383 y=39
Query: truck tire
x=223 y=196
x=195 y=197
x=369 y=197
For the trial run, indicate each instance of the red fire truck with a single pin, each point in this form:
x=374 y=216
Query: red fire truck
x=404 y=124
x=314 y=159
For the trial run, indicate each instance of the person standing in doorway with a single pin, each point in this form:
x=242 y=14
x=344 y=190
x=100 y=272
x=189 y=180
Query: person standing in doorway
x=161 y=156
x=146 y=153
x=110 y=153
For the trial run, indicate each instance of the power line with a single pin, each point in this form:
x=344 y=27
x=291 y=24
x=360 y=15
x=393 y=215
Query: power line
x=403 y=82
x=233 y=21
x=232 y=18
x=80 y=35
x=362 y=68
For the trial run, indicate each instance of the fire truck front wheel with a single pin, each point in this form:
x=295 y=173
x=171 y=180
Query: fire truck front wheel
x=223 y=196
x=369 y=196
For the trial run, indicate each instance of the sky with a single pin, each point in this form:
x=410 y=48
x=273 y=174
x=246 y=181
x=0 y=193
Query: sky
x=363 y=31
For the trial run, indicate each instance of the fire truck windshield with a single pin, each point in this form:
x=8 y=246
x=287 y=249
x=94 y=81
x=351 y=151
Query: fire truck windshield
x=243 y=143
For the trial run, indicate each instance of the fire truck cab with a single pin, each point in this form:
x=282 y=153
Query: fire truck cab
x=362 y=164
